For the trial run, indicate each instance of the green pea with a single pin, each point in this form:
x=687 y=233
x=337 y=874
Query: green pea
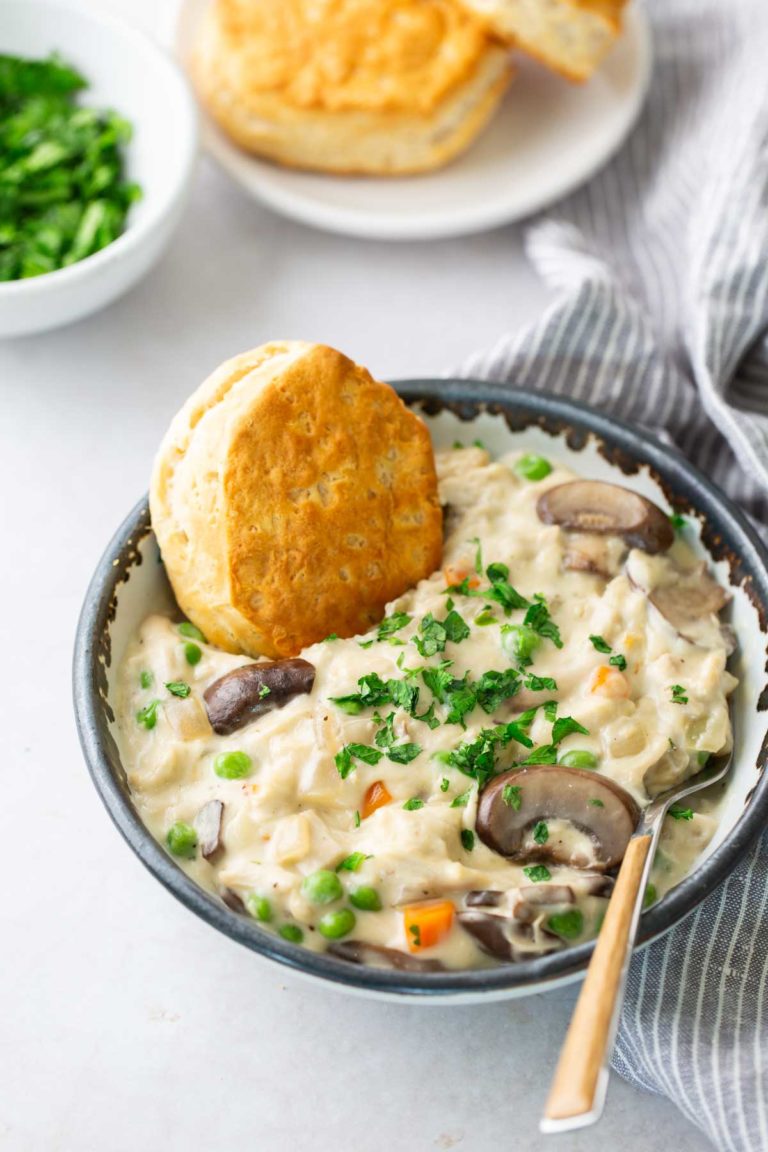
x=366 y=899
x=232 y=765
x=322 y=887
x=190 y=632
x=259 y=907
x=578 y=758
x=651 y=895
x=192 y=654
x=702 y=758
x=336 y=924
x=181 y=839
x=146 y=679
x=519 y=642
x=291 y=932
x=533 y=467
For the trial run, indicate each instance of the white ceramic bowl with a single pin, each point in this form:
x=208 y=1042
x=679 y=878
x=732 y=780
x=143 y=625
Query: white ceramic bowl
x=130 y=74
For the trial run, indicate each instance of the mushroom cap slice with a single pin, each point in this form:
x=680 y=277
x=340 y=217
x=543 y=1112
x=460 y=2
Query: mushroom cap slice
x=595 y=506
x=506 y=938
x=377 y=956
x=554 y=792
x=208 y=828
x=691 y=596
x=246 y=693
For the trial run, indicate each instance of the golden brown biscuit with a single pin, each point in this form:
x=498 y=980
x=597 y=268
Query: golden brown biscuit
x=293 y=496
x=569 y=36
x=366 y=86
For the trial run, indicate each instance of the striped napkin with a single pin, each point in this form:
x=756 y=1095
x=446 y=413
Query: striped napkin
x=661 y=270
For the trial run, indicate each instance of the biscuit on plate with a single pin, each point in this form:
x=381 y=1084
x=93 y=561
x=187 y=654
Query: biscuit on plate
x=293 y=496
x=569 y=36
x=354 y=86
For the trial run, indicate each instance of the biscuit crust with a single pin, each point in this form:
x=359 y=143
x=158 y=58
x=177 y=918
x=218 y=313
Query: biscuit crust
x=294 y=496
x=356 y=86
x=569 y=36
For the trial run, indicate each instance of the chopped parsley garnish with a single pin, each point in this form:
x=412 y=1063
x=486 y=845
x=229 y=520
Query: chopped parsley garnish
x=178 y=688
x=462 y=800
x=467 y=839
x=678 y=694
x=544 y=754
x=147 y=717
x=512 y=795
x=538 y=873
x=568 y=924
x=678 y=813
x=429 y=717
x=564 y=726
x=264 y=691
x=415 y=929
x=478 y=556
x=678 y=522
x=493 y=688
x=433 y=637
x=540 y=683
x=550 y=710
x=501 y=591
x=357 y=818
x=413 y=804
x=601 y=645
x=374 y=692
x=392 y=624
x=484 y=618
x=352 y=862
x=364 y=643
x=541 y=832
x=445 y=784
x=350 y=752
x=595 y=802
x=331 y=636
x=456 y=628
x=539 y=620
x=397 y=753
x=146 y=679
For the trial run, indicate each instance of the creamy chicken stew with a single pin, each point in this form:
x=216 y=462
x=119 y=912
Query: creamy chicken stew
x=442 y=791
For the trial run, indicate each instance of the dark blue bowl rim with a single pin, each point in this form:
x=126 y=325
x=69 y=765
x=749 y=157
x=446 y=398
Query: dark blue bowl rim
x=466 y=399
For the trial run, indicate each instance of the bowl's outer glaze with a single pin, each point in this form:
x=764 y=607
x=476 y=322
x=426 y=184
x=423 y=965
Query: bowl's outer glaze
x=129 y=582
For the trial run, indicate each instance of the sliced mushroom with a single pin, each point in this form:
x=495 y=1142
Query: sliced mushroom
x=505 y=938
x=484 y=898
x=599 y=555
x=594 y=506
x=247 y=693
x=551 y=792
x=208 y=828
x=232 y=900
x=377 y=956
x=689 y=597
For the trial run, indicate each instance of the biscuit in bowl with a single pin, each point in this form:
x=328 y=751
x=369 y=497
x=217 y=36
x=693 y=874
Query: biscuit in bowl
x=353 y=86
x=293 y=497
x=569 y=36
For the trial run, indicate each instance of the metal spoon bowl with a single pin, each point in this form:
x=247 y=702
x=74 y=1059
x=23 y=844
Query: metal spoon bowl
x=577 y=1094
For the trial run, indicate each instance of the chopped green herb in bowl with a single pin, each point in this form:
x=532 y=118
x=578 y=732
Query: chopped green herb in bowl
x=63 y=189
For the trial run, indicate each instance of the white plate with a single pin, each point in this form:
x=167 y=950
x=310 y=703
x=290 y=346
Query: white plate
x=548 y=137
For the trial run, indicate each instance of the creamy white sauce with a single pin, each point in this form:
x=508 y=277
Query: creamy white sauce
x=294 y=814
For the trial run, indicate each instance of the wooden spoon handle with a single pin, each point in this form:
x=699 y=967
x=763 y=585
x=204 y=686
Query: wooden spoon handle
x=578 y=1088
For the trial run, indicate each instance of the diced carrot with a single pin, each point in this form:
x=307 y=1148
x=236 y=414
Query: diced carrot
x=610 y=682
x=454 y=575
x=427 y=923
x=376 y=797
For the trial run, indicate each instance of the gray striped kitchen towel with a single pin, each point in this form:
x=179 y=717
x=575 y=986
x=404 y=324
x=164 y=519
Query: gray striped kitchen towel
x=661 y=270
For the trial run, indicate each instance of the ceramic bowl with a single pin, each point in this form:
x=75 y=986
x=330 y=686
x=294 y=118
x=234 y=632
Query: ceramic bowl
x=129 y=583
x=130 y=74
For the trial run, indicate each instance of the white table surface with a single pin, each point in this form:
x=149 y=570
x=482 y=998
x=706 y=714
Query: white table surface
x=126 y=1023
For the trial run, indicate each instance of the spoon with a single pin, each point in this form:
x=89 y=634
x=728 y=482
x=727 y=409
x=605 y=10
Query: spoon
x=577 y=1094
